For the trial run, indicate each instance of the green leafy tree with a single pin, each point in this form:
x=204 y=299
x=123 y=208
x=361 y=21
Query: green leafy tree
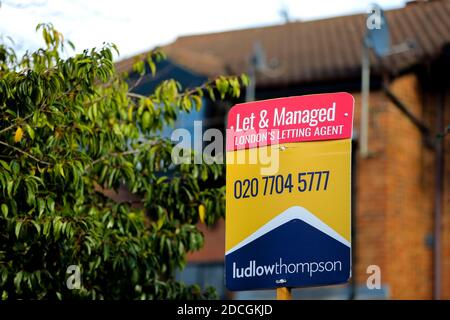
x=70 y=129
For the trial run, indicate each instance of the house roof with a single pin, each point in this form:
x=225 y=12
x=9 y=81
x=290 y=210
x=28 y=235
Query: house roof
x=312 y=51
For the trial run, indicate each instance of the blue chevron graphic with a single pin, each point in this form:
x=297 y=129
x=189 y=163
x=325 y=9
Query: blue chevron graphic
x=295 y=249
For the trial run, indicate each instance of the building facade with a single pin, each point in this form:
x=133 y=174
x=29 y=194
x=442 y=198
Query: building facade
x=401 y=189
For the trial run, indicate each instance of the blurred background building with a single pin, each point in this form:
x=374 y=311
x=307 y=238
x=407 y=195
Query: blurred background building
x=401 y=188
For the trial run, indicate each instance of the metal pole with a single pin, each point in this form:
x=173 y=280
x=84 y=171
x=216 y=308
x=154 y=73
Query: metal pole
x=365 y=90
x=354 y=282
x=438 y=198
x=284 y=293
x=250 y=91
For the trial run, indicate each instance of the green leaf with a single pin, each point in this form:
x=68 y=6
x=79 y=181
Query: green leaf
x=18 y=227
x=4 y=210
x=46 y=229
x=15 y=167
x=245 y=80
x=211 y=93
x=41 y=206
x=105 y=252
x=146 y=120
x=9 y=187
x=139 y=67
x=151 y=65
x=222 y=86
x=5 y=165
x=51 y=204
x=61 y=171
x=71 y=45
x=37 y=226
x=161 y=180
x=30 y=131
x=18 y=280
x=198 y=102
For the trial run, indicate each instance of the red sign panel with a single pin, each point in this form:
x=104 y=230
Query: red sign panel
x=294 y=119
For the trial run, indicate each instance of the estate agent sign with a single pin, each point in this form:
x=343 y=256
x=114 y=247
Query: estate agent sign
x=288 y=192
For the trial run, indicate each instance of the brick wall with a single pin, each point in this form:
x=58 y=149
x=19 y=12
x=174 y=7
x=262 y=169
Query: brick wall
x=369 y=243
x=214 y=247
x=395 y=196
x=410 y=194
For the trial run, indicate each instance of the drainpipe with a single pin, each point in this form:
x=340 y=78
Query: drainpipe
x=438 y=198
x=354 y=187
x=424 y=130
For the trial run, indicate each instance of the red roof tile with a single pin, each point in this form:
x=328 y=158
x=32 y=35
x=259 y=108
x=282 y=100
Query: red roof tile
x=320 y=50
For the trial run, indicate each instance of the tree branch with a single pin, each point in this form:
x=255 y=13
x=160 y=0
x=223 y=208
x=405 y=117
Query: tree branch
x=209 y=83
x=115 y=154
x=25 y=153
x=124 y=153
x=136 y=95
x=41 y=108
x=138 y=82
x=15 y=123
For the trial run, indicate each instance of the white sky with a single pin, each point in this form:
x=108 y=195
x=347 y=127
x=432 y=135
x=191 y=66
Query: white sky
x=137 y=25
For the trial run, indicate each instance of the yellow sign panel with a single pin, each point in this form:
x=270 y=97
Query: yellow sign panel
x=321 y=168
